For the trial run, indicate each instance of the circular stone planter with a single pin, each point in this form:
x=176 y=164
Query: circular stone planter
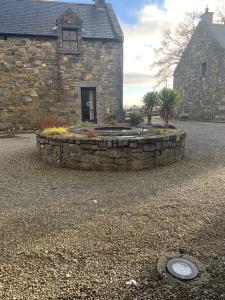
x=135 y=149
x=114 y=130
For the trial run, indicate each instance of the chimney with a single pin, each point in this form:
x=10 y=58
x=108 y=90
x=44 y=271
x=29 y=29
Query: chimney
x=100 y=3
x=207 y=17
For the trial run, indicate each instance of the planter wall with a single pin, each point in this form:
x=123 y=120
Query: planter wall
x=112 y=153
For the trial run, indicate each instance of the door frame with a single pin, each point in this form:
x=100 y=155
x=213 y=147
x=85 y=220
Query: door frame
x=83 y=104
x=90 y=84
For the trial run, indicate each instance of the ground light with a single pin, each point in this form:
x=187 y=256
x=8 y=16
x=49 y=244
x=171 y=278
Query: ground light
x=176 y=268
x=182 y=268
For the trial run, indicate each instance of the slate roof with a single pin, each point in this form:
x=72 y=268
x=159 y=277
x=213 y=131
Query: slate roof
x=32 y=17
x=218 y=32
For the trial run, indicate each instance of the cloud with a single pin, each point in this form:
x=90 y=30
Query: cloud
x=133 y=79
x=141 y=39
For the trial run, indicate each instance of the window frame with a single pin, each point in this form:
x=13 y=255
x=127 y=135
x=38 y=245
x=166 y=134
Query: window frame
x=73 y=45
x=70 y=40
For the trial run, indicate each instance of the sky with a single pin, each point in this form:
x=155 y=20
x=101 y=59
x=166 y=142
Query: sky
x=143 y=22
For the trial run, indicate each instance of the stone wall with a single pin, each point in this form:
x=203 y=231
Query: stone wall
x=203 y=96
x=36 y=80
x=105 y=154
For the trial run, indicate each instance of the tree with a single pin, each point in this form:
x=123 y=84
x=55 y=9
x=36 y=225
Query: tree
x=150 y=100
x=220 y=11
x=175 y=42
x=168 y=100
x=172 y=46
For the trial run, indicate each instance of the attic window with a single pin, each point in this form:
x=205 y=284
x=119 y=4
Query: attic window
x=69 y=26
x=69 y=40
x=203 y=69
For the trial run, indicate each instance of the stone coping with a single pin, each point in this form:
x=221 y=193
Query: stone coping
x=106 y=153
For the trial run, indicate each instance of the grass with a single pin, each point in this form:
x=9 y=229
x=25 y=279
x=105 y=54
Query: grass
x=55 y=131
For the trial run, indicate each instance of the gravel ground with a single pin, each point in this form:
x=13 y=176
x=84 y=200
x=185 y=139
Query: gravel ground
x=68 y=234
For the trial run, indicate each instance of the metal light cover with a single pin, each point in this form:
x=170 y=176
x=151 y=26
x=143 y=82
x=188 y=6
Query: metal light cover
x=182 y=268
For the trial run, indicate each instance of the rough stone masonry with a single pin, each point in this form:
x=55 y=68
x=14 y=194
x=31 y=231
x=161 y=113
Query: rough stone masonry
x=112 y=153
x=45 y=65
x=200 y=73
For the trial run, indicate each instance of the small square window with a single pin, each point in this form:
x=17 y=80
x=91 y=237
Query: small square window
x=203 y=69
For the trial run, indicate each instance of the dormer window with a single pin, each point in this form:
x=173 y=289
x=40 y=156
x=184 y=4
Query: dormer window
x=70 y=40
x=69 y=33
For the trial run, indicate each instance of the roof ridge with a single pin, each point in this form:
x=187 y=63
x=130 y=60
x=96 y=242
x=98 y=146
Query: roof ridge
x=60 y=2
x=38 y=17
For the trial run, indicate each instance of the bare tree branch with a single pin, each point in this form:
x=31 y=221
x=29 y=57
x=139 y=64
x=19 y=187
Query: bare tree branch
x=174 y=43
x=172 y=46
x=220 y=11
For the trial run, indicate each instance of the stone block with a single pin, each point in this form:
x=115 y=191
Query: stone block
x=109 y=144
x=120 y=161
x=133 y=144
x=149 y=147
x=114 y=153
x=94 y=147
x=122 y=143
x=106 y=160
x=87 y=166
x=102 y=144
x=86 y=146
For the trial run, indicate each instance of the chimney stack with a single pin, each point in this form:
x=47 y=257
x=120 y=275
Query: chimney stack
x=207 y=17
x=100 y=3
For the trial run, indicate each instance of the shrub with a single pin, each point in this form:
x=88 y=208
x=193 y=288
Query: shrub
x=135 y=118
x=150 y=100
x=49 y=122
x=91 y=134
x=168 y=99
x=55 y=131
x=112 y=120
x=159 y=131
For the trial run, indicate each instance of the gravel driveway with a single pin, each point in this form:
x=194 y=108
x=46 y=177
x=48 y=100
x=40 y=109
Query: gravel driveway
x=68 y=234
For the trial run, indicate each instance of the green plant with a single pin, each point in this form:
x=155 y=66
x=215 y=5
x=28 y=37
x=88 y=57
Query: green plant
x=168 y=100
x=55 y=131
x=159 y=131
x=111 y=119
x=150 y=100
x=135 y=119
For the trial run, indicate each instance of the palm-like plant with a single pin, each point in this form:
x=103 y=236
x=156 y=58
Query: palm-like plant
x=150 y=100
x=168 y=100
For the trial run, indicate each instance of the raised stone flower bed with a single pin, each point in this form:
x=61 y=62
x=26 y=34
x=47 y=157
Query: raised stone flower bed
x=109 y=152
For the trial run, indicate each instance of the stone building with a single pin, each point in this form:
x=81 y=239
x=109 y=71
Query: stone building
x=200 y=74
x=57 y=58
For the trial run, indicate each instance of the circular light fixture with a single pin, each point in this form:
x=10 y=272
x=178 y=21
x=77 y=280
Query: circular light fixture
x=182 y=268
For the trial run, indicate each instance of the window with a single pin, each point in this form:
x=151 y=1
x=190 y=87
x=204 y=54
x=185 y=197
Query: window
x=70 y=40
x=69 y=27
x=203 y=69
